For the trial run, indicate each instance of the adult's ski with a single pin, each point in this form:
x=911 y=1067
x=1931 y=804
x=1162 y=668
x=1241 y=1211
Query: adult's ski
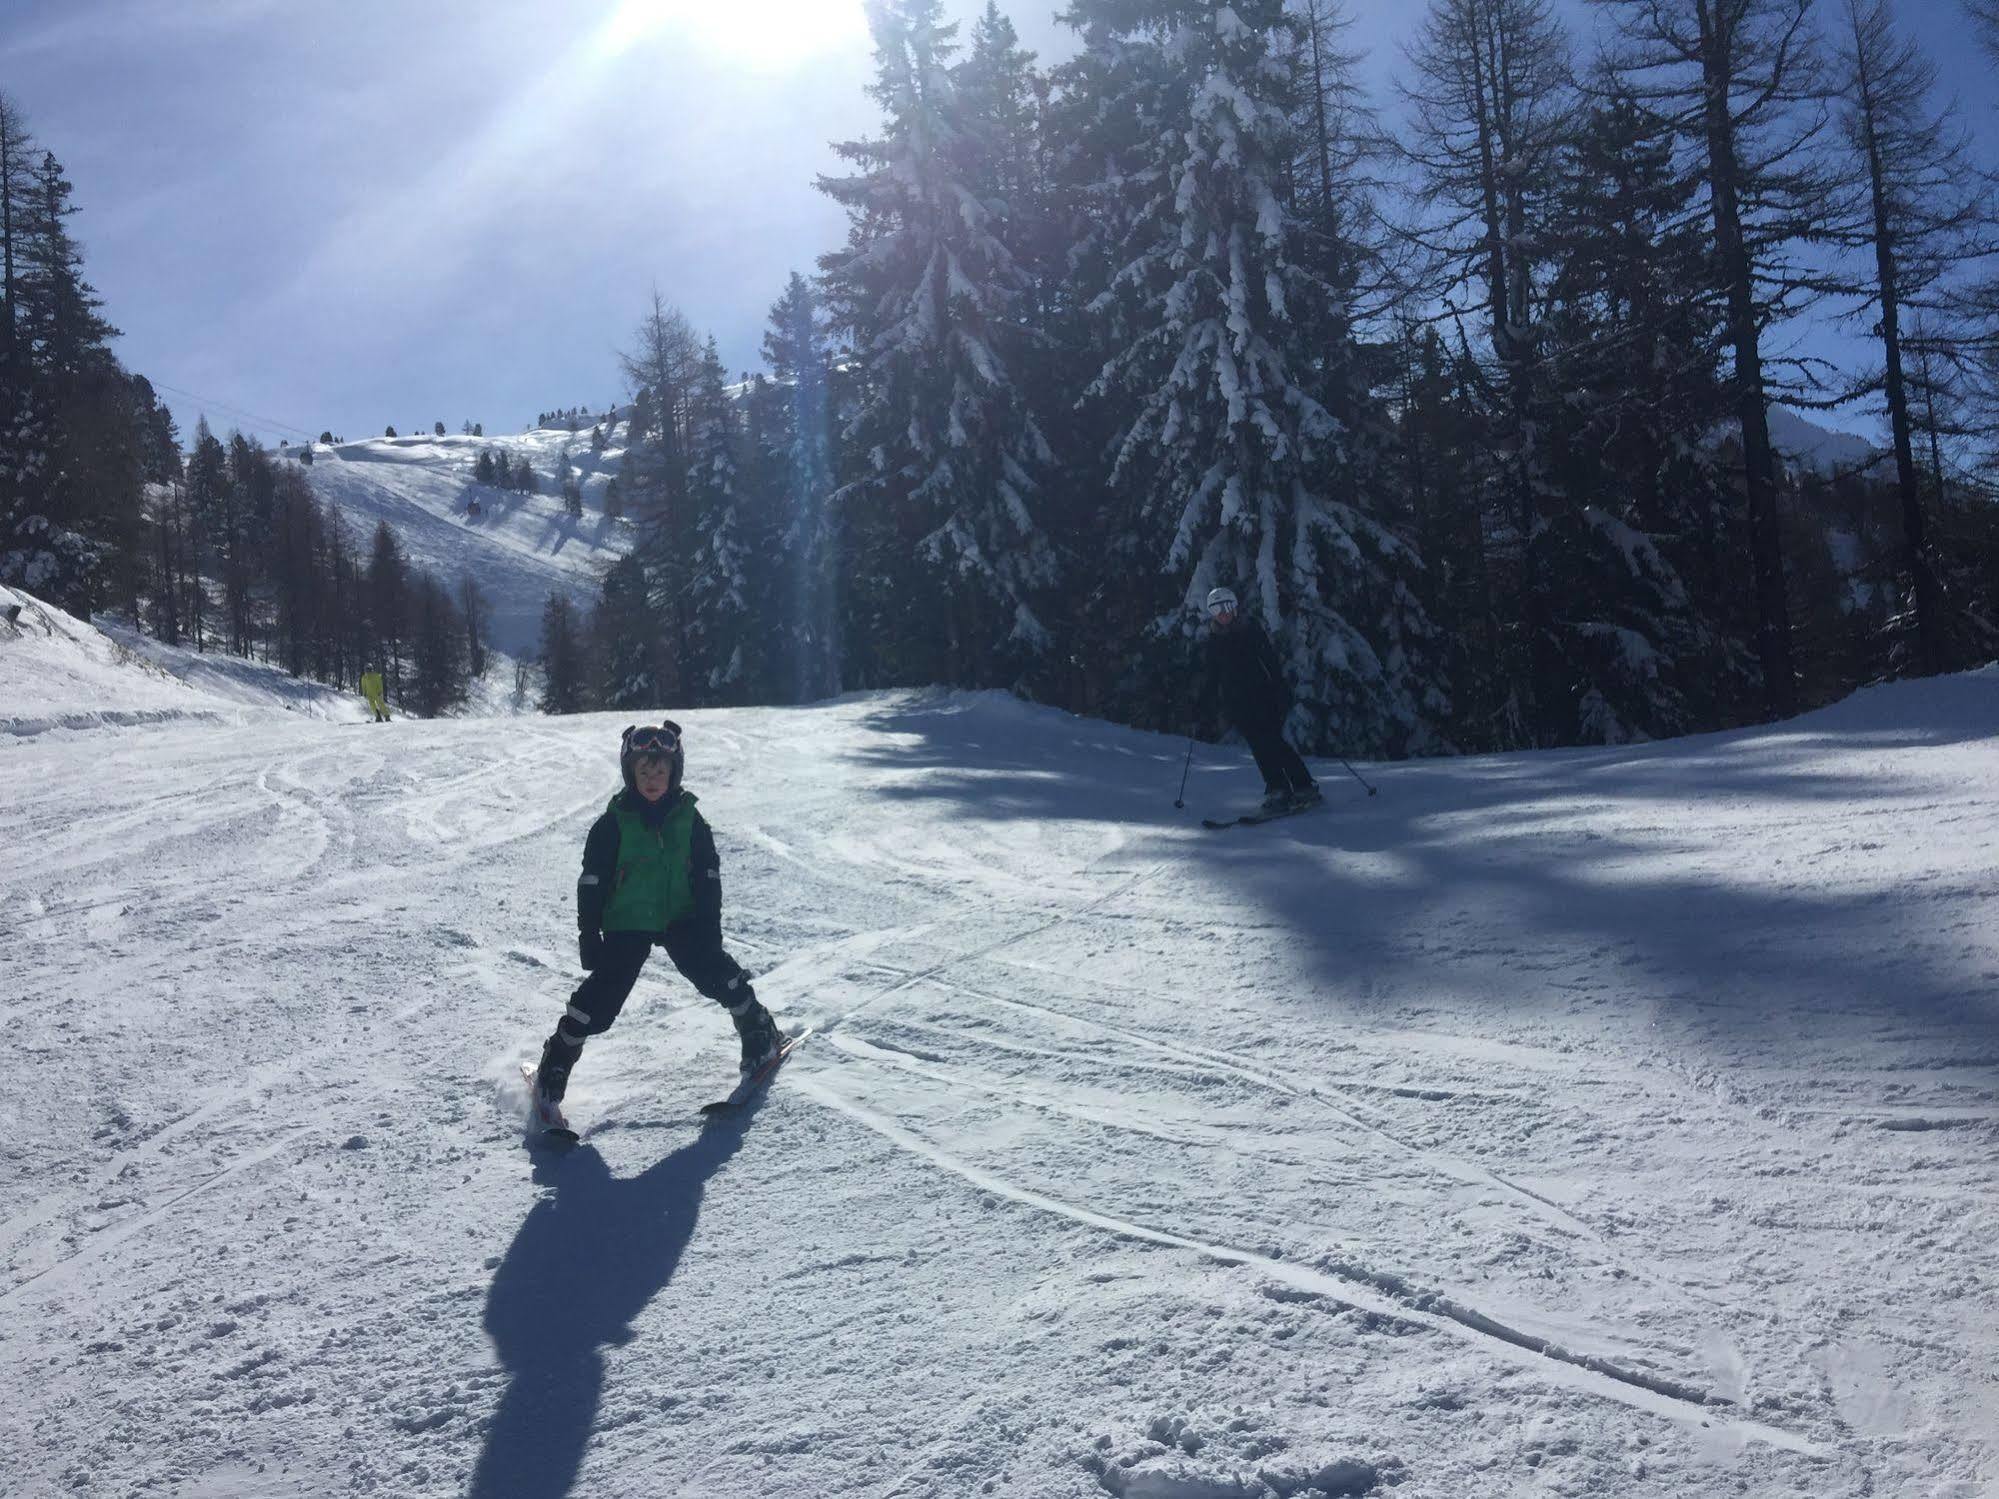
x=1250 y=819
x=749 y=1085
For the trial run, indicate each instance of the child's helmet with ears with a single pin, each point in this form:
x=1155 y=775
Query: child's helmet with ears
x=641 y=741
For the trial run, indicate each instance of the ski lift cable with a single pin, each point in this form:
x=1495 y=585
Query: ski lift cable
x=233 y=410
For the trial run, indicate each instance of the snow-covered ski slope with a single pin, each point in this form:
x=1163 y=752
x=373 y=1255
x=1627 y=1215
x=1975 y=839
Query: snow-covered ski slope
x=520 y=547
x=1609 y=1123
x=58 y=672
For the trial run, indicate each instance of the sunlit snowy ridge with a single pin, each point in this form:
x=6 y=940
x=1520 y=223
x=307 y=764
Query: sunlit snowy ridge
x=520 y=547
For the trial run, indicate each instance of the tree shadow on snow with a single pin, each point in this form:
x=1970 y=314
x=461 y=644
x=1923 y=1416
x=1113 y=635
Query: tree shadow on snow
x=591 y=1255
x=1488 y=880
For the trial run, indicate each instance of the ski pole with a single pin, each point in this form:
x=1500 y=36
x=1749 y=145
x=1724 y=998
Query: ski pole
x=1352 y=772
x=1181 y=799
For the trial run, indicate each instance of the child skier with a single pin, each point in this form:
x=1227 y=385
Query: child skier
x=650 y=877
x=1257 y=700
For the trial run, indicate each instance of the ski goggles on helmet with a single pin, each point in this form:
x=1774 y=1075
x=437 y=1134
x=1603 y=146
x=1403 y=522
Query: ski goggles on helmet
x=643 y=740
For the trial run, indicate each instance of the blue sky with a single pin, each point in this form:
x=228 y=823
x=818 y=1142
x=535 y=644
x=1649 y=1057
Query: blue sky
x=351 y=213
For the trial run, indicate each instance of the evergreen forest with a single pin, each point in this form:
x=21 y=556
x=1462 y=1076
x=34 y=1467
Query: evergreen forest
x=1467 y=391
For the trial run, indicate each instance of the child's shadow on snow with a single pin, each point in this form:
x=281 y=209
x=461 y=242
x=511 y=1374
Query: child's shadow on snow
x=589 y=1257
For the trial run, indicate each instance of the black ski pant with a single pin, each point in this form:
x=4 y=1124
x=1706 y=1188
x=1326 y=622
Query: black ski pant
x=1283 y=769
x=696 y=950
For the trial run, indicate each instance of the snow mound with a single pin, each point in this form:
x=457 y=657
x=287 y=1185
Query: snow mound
x=59 y=672
x=1922 y=711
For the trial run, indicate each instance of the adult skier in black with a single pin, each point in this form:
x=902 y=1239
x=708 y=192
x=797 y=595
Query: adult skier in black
x=1245 y=672
x=651 y=877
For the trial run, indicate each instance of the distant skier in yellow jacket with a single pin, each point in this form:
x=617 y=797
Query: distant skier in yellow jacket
x=371 y=689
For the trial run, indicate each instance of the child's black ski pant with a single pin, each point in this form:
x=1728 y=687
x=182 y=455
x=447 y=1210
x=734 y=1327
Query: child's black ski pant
x=695 y=950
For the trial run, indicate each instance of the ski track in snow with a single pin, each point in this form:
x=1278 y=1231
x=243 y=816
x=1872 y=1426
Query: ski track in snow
x=1615 y=1122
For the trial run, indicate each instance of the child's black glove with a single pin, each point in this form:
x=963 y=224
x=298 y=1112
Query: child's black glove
x=590 y=948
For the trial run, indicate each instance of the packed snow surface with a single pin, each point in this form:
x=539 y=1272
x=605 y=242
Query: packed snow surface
x=1609 y=1123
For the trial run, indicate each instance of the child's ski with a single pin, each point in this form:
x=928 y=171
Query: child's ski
x=756 y=1079
x=554 y=1128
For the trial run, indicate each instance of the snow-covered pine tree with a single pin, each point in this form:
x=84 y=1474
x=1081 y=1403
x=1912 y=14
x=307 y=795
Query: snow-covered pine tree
x=242 y=526
x=1490 y=104
x=438 y=672
x=564 y=657
x=476 y=612
x=16 y=155
x=291 y=545
x=763 y=440
x=567 y=485
x=386 y=589
x=718 y=596
x=1742 y=86
x=342 y=636
x=949 y=555
x=1358 y=267
x=59 y=310
x=1224 y=443
x=36 y=553
x=660 y=368
x=631 y=651
x=69 y=479
x=1000 y=102
x=210 y=518
x=1641 y=589
x=1926 y=220
x=1005 y=101
x=1440 y=458
x=804 y=534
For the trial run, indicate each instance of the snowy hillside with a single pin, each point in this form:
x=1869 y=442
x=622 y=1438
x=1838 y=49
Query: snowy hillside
x=1807 y=444
x=1610 y=1123
x=521 y=547
x=59 y=672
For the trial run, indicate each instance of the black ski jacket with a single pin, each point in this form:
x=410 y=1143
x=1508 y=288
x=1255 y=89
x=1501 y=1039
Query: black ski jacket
x=1244 y=672
x=600 y=869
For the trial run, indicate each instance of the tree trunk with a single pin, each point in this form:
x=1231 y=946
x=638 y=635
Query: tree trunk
x=1773 y=627
x=1928 y=644
x=8 y=146
x=1500 y=210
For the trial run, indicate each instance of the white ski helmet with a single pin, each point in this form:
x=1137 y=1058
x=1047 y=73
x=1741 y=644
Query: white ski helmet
x=1221 y=601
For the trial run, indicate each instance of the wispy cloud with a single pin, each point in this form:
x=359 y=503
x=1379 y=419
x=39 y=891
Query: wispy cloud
x=72 y=23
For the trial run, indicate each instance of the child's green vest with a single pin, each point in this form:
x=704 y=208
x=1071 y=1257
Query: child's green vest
x=653 y=887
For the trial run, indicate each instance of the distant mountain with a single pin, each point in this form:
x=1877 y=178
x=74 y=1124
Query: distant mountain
x=1805 y=444
x=520 y=547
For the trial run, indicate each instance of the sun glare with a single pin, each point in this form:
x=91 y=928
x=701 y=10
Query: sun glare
x=755 y=34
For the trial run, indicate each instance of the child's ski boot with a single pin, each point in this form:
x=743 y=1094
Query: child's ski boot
x=759 y=1034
